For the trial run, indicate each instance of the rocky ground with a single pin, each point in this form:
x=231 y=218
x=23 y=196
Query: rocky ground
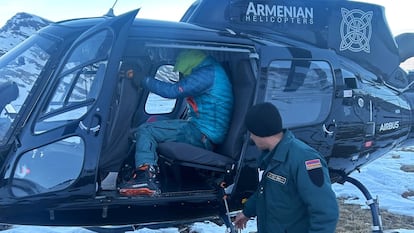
x=354 y=219
x=357 y=220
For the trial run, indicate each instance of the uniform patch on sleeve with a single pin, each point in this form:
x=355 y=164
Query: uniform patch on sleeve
x=315 y=172
x=312 y=164
x=276 y=178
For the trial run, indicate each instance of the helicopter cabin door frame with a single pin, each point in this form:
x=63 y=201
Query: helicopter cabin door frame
x=61 y=148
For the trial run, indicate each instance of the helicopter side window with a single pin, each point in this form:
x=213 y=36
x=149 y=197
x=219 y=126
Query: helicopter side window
x=73 y=96
x=156 y=104
x=301 y=89
x=49 y=168
x=94 y=48
x=79 y=83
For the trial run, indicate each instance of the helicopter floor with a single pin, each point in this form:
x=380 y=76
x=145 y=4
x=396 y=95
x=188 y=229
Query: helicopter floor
x=168 y=190
x=193 y=195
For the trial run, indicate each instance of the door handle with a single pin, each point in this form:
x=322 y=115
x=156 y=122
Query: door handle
x=326 y=129
x=94 y=129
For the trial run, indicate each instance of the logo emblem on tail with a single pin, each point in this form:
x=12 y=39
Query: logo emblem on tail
x=356 y=30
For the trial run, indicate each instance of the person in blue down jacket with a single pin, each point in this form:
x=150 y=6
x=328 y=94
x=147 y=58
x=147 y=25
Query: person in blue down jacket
x=294 y=194
x=209 y=95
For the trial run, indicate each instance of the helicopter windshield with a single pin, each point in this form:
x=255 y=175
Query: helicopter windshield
x=19 y=70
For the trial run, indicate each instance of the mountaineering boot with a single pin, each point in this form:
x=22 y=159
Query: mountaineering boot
x=143 y=183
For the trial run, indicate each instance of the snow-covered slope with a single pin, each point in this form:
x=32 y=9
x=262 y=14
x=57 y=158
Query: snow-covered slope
x=18 y=28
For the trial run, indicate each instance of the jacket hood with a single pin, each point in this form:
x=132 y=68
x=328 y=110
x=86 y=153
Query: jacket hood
x=187 y=60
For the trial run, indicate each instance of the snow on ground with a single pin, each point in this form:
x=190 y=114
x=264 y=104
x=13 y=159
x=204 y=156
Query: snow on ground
x=385 y=180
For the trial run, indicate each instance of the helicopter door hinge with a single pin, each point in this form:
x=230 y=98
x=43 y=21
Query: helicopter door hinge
x=52 y=215
x=105 y=212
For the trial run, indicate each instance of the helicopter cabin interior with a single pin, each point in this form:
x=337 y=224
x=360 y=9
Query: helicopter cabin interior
x=183 y=166
x=186 y=167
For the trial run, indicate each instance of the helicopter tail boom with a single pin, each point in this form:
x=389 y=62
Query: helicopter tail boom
x=405 y=45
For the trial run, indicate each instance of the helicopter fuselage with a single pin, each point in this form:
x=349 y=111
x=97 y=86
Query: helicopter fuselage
x=67 y=136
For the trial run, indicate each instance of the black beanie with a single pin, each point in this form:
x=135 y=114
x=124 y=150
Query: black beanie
x=263 y=120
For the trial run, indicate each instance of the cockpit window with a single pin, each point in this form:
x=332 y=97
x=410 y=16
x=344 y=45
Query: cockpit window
x=79 y=83
x=301 y=89
x=19 y=71
x=96 y=47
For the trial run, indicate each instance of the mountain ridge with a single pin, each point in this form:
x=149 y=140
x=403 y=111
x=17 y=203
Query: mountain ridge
x=19 y=27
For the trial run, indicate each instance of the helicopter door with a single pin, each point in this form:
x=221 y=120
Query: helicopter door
x=353 y=117
x=61 y=144
x=302 y=90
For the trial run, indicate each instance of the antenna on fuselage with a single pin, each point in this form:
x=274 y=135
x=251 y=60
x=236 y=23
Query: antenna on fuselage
x=110 y=13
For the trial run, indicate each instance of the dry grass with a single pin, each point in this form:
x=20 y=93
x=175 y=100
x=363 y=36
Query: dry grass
x=353 y=219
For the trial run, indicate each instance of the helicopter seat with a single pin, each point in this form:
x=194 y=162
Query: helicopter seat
x=225 y=155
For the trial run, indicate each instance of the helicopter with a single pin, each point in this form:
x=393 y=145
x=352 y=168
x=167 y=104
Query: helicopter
x=71 y=100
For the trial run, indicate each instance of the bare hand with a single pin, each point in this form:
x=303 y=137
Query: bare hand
x=241 y=221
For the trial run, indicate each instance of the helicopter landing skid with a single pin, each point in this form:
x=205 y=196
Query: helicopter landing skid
x=372 y=203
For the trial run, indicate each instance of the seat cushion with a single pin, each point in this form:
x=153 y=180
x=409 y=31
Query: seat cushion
x=184 y=152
